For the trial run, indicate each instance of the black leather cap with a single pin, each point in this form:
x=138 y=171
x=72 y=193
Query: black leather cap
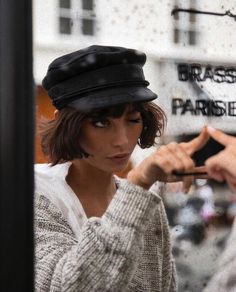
x=97 y=77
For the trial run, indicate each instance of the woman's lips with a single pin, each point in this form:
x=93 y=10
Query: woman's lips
x=120 y=158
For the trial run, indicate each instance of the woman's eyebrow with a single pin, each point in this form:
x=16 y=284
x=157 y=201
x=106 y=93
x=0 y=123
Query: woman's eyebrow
x=132 y=111
x=96 y=115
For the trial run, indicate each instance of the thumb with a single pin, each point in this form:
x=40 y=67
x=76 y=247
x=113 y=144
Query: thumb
x=196 y=143
x=220 y=137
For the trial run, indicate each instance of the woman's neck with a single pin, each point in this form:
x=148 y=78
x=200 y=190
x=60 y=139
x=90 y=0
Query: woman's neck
x=94 y=188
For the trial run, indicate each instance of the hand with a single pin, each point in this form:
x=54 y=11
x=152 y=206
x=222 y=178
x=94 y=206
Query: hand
x=160 y=165
x=222 y=166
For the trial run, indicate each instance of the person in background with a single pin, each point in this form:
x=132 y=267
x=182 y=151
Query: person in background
x=222 y=167
x=93 y=230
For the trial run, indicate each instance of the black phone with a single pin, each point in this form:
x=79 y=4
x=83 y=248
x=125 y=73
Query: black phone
x=211 y=148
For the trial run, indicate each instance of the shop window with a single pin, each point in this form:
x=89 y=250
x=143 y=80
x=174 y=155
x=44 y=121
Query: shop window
x=192 y=37
x=65 y=25
x=65 y=4
x=176 y=35
x=87 y=4
x=65 y=20
x=87 y=19
x=76 y=17
x=87 y=26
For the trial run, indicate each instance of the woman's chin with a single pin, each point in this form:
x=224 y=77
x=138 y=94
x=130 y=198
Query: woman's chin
x=123 y=171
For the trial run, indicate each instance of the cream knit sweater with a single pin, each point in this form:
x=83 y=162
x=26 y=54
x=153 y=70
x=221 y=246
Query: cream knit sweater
x=127 y=249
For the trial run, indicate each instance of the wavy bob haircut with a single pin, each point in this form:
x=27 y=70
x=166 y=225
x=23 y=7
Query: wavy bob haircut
x=60 y=137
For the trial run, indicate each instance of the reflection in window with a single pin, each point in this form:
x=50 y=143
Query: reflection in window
x=65 y=21
x=87 y=19
x=184 y=31
x=192 y=17
x=87 y=4
x=65 y=4
x=176 y=36
x=192 y=37
x=76 y=17
x=87 y=26
x=176 y=15
x=65 y=25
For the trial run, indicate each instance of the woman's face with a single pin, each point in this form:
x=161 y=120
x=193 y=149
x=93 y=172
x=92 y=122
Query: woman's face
x=110 y=141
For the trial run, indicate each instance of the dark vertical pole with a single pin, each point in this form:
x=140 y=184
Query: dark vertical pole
x=16 y=146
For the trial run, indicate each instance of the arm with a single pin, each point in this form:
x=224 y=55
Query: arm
x=168 y=284
x=106 y=254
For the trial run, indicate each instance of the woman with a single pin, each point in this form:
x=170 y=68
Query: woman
x=95 y=232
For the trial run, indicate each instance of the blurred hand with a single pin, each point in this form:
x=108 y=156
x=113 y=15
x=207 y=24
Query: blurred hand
x=170 y=158
x=222 y=166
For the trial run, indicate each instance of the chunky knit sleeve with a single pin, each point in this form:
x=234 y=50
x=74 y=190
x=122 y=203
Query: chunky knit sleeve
x=169 y=278
x=105 y=255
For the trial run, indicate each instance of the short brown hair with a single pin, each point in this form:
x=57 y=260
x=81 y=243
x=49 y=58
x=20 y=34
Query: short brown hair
x=59 y=137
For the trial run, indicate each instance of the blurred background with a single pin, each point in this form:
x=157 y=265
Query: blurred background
x=191 y=64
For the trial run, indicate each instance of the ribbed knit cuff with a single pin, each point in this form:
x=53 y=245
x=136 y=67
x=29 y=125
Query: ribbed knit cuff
x=132 y=206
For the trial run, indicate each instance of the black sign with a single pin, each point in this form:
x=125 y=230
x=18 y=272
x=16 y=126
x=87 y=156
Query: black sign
x=197 y=72
x=204 y=107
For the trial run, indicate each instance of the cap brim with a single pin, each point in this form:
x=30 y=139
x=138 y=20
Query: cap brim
x=111 y=97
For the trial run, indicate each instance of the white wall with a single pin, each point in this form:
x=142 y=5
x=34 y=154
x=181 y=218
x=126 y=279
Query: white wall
x=145 y=25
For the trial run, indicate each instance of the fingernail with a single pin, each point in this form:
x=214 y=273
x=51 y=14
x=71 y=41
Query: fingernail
x=210 y=129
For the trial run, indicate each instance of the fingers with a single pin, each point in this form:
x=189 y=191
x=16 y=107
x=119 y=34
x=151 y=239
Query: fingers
x=221 y=137
x=222 y=165
x=223 y=175
x=182 y=163
x=180 y=158
x=196 y=171
x=160 y=165
x=231 y=182
x=215 y=165
x=199 y=172
x=196 y=143
x=222 y=162
x=173 y=158
x=216 y=173
x=187 y=183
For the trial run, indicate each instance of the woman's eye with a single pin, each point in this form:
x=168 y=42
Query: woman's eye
x=137 y=120
x=100 y=123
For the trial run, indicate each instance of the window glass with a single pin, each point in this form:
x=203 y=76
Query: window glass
x=65 y=4
x=191 y=65
x=87 y=4
x=192 y=37
x=65 y=25
x=87 y=26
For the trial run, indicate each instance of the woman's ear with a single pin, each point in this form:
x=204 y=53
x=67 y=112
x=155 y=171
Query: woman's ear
x=56 y=114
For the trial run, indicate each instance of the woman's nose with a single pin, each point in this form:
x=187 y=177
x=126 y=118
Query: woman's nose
x=120 y=136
